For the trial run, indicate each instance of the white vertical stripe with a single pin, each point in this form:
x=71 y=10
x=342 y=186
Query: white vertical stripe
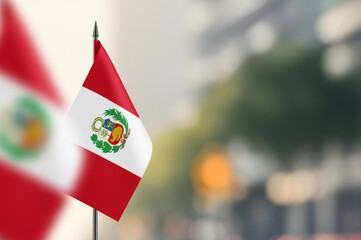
x=58 y=162
x=137 y=151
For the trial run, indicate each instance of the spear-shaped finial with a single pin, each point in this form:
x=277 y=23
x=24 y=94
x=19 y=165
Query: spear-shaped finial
x=95 y=32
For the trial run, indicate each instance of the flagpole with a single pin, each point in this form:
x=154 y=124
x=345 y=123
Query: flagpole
x=95 y=212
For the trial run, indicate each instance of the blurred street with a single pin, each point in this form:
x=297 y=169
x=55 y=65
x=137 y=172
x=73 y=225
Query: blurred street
x=253 y=107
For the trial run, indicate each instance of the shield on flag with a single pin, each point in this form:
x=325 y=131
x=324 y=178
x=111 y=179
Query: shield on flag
x=110 y=131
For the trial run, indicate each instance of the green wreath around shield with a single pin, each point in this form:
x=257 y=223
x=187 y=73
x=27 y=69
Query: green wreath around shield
x=104 y=145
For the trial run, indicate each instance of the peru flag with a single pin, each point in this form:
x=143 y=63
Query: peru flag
x=115 y=144
x=28 y=203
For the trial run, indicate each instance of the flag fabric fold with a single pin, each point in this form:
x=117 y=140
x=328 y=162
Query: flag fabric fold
x=115 y=145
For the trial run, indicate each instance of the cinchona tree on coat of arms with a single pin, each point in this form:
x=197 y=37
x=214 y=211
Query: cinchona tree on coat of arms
x=110 y=136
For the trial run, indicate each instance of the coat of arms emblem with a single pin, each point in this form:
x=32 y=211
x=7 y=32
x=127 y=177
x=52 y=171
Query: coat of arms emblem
x=24 y=129
x=111 y=133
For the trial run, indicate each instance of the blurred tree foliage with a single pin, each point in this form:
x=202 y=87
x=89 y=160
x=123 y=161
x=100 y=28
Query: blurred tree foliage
x=280 y=102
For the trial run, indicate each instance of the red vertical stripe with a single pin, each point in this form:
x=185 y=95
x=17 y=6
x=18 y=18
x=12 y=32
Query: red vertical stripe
x=27 y=207
x=19 y=59
x=104 y=185
x=104 y=80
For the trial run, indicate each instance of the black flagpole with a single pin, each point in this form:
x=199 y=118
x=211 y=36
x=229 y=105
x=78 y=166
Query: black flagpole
x=95 y=212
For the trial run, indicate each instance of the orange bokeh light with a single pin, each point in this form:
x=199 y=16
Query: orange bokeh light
x=215 y=172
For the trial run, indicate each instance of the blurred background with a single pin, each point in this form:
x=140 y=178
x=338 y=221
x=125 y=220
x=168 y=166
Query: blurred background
x=253 y=106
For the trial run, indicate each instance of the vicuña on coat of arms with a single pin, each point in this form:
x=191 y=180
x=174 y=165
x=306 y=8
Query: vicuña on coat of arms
x=110 y=136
